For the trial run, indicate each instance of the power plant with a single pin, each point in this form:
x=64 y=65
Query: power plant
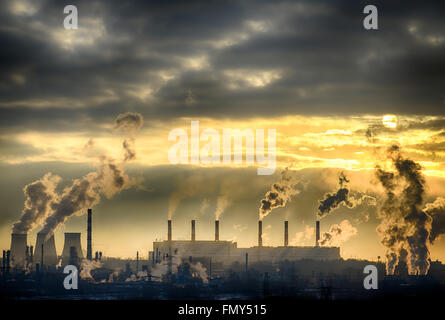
x=232 y=271
x=228 y=251
x=219 y=250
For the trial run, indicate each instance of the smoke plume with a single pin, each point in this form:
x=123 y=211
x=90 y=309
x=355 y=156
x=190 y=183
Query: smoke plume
x=337 y=234
x=86 y=266
x=205 y=204
x=44 y=205
x=129 y=123
x=436 y=210
x=280 y=193
x=405 y=226
x=343 y=196
x=85 y=193
x=187 y=187
x=39 y=195
x=222 y=202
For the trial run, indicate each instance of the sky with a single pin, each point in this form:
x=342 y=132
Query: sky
x=307 y=69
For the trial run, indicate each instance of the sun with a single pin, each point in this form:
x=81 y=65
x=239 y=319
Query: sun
x=390 y=121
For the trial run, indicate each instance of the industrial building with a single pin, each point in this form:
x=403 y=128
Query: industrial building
x=217 y=250
x=228 y=251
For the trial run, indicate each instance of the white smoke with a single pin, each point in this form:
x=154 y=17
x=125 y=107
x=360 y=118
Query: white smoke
x=338 y=234
x=86 y=266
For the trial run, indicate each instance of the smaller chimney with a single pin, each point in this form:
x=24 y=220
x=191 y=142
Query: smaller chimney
x=31 y=254
x=169 y=232
x=193 y=230
x=317 y=232
x=286 y=233
x=4 y=262
x=41 y=259
x=8 y=261
x=260 y=233
x=89 y=231
x=216 y=230
x=137 y=262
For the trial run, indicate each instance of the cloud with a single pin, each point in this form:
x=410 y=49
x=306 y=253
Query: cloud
x=270 y=55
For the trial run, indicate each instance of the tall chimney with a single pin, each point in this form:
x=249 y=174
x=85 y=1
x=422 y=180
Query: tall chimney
x=193 y=230
x=169 y=230
x=216 y=230
x=89 y=246
x=286 y=233
x=260 y=233
x=317 y=232
x=137 y=262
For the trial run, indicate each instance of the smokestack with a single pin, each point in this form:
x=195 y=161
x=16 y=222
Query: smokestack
x=8 y=261
x=49 y=249
x=169 y=230
x=317 y=232
x=31 y=254
x=89 y=246
x=72 y=239
x=4 y=262
x=18 y=249
x=286 y=233
x=137 y=262
x=260 y=233
x=216 y=230
x=193 y=230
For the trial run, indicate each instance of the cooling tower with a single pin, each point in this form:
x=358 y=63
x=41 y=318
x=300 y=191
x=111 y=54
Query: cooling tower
x=169 y=231
x=193 y=231
x=49 y=250
x=260 y=233
x=286 y=233
x=72 y=240
x=216 y=230
x=317 y=232
x=89 y=245
x=18 y=249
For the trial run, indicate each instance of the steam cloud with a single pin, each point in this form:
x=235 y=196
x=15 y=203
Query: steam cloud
x=222 y=202
x=343 y=196
x=87 y=266
x=39 y=195
x=280 y=193
x=405 y=226
x=129 y=123
x=161 y=269
x=337 y=234
x=85 y=193
x=44 y=204
x=436 y=211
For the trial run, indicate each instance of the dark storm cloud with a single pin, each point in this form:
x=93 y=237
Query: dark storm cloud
x=149 y=56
